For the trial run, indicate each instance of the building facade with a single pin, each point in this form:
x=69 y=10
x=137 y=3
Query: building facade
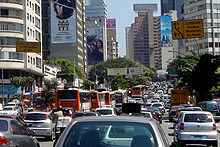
x=209 y=11
x=20 y=21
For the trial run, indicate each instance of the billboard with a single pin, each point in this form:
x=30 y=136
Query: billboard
x=166 y=33
x=10 y=89
x=111 y=23
x=94 y=45
x=63 y=21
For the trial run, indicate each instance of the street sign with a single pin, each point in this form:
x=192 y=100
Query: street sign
x=187 y=29
x=136 y=71
x=116 y=71
x=28 y=47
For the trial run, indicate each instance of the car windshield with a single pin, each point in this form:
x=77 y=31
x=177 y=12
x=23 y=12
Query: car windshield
x=10 y=109
x=115 y=134
x=3 y=125
x=35 y=116
x=198 y=118
x=156 y=105
x=104 y=112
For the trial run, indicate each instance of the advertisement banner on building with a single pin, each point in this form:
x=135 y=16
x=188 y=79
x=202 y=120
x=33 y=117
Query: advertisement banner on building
x=10 y=89
x=111 y=23
x=94 y=45
x=166 y=31
x=63 y=21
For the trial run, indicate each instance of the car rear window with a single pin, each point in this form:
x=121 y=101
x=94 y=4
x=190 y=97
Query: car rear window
x=157 y=105
x=198 y=118
x=117 y=134
x=3 y=125
x=7 y=108
x=35 y=116
x=104 y=112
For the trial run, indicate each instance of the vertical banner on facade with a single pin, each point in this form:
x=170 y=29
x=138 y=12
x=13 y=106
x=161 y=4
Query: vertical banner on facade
x=63 y=21
x=94 y=45
x=166 y=31
x=111 y=23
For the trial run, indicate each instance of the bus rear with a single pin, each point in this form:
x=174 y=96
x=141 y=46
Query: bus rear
x=68 y=98
x=94 y=100
x=38 y=104
x=136 y=91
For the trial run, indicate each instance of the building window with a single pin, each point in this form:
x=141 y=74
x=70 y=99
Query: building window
x=27 y=2
x=27 y=16
x=32 y=6
x=4 y=11
x=28 y=59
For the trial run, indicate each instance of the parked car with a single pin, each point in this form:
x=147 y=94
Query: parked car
x=13 y=133
x=9 y=110
x=43 y=123
x=196 y=127
x=113 y=131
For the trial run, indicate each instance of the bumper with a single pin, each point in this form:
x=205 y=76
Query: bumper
x=198 y=136
x=42 y=131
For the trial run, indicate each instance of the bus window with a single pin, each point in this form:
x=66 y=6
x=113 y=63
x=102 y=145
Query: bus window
x=66 y=95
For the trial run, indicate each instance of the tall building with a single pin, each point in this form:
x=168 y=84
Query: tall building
x=129 y=43
x=167 y=5
x=112 y=44
x=20 y=21
x=210 y=13
x=96 y=15
x=64 y=33
x=156 y=39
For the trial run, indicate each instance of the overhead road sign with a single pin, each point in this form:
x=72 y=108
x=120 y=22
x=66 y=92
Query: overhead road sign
x=28 y=47
x=187 y=29
x=116 y=71
x=136 y=71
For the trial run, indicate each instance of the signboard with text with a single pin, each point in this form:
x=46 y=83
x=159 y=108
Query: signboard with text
x=28 y=47
x=187 y=29
x=136 y=71
x=116 y=71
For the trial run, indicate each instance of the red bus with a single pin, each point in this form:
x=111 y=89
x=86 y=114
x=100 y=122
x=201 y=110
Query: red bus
x=138 y=90
x=121 y=96
x=94 y=100
x=38 y=104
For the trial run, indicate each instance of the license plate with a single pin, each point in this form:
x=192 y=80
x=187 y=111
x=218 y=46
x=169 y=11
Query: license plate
x=198 y=136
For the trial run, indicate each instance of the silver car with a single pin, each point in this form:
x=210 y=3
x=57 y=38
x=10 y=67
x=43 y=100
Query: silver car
x=196 y=127
x=43 y=123
x=98 y=131
x=15 y=134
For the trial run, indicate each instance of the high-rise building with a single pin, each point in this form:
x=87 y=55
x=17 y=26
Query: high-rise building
x=129 y=43
x=210 y=13
x=20 y=21
x=112 y=44
x=167 y=5
x=64 y=33
x=156 y=39
x=96 y=15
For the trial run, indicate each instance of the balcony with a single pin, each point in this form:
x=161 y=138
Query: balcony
x=15 y=34
x=11 y=60
x=11 y=19
x=11 y=4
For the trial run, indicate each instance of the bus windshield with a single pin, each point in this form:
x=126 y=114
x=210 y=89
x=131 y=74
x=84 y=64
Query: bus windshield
x=136 y=89
x=67 y=94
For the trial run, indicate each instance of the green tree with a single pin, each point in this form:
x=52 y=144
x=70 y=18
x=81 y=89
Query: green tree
x=49 y=91
x=22 y=82
x=99 y=72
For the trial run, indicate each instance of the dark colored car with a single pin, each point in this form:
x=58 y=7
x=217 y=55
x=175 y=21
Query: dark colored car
x=81 y=114
x=14 y=133
x=101 y=131
x=173 y=112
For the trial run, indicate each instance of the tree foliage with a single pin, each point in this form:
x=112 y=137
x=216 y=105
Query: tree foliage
x=99 y=72
x=22 y=82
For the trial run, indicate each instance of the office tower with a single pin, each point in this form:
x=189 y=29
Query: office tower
x=96 y=15
x=112 y=44
x=129 y=43
x=64 y=35
x=210 y=13
x=20 y=21
x=167 y=5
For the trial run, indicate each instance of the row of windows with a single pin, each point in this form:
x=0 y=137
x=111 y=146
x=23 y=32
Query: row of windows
x=33 y=34
x=34 y=19
x=203 y=45
x=34 y=7
x=11 y=55
x=11 y=27
x=34 y=61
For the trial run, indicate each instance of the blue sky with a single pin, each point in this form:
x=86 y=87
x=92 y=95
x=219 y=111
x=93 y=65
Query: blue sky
x=122 y=10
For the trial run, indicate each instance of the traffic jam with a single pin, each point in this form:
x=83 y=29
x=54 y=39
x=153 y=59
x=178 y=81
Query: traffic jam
x=136 y=117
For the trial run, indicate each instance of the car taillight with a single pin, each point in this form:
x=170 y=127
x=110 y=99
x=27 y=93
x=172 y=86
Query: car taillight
x=25 y=116
x=3 y=140
x=178 y=112
x=181 y=126
x=47 y=116
x=214 y=126
x=155 y=118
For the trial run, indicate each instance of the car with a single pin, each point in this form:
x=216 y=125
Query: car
x=16 y=104
x=173 y=111
x=155 y=101
x=43 y=123
x=82 y=114
x=179 y=110
x=14 y=133
x=100 y=131
x=106 y=111
x=105 y=106
x=143 y=114
x=196 y=127
x=9 y=110
x=166 y=98
x=139 y=101
x=160 y=105
x=131 y=101
x=119 y=105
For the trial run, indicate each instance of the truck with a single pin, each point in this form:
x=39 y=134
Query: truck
x=179 y=96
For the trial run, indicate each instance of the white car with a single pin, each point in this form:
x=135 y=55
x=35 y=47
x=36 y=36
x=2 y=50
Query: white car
x=106 y=111
x=139 y=101
x=9 y=110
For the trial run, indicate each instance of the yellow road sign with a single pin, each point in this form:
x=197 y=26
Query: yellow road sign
x=187 y=29
x=28 y=47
